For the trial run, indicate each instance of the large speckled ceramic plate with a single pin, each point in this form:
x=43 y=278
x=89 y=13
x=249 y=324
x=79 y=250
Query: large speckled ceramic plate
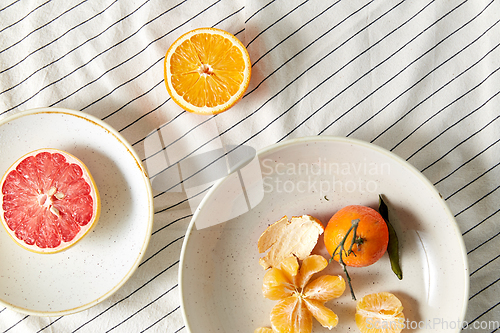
x=221 y=278
x=99 y=264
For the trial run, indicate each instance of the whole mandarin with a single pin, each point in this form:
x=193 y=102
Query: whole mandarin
x=372 y=235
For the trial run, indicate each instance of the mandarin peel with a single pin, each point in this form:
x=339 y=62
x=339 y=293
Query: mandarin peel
x=284 y=238
x=300 y=299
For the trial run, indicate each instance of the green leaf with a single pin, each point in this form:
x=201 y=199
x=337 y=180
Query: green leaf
x=393 y=246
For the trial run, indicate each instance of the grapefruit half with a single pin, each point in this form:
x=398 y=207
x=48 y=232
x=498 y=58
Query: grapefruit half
x=48 y=201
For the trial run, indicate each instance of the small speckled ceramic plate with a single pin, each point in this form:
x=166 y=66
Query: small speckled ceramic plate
x=99 y=264
x=221 y=279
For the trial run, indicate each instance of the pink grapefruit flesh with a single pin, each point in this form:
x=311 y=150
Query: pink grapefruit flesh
x=48 y=201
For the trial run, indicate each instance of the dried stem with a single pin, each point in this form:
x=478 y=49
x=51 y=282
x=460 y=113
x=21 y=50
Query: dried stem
x=341 y=250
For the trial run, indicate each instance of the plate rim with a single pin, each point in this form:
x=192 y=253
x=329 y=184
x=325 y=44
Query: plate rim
x=133 y=153
x=330 y=138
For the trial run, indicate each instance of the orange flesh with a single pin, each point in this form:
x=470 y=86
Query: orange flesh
x=46 y=200
x=207 y=70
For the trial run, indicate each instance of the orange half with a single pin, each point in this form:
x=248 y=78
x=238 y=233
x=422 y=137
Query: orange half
x=207 y=71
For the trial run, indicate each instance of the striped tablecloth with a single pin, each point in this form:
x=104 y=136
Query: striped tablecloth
x=417 y=77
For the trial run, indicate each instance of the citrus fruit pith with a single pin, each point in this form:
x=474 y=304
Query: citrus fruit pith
x=207 y=71
x=48 y=201
x=372 y=235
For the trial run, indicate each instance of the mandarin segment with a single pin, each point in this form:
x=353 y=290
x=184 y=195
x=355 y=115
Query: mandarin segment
x=325 y=288
x=289 y=267
x=263 y=330
x=326 y=317
x=291 y=315
x=296 y=304
x=277 y=285
x=383 y=303
x=367 y=324
x=310 y=266
x=379 y=313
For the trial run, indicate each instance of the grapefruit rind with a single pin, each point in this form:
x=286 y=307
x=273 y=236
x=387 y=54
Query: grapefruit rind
x=179 y=100
x=83 y=231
